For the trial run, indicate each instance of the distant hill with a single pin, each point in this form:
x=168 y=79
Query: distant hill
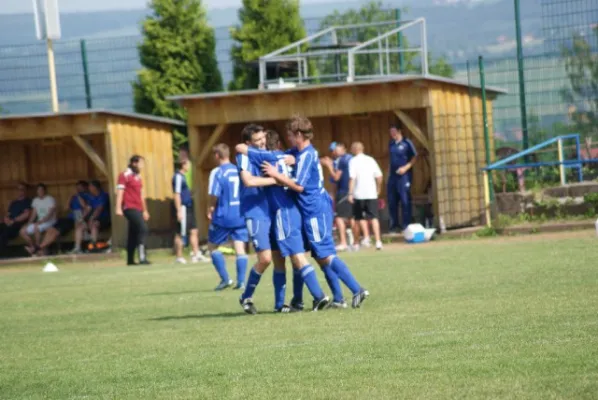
x=458 y=29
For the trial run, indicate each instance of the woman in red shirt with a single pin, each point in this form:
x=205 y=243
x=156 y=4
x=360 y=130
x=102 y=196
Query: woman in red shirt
x=130 y=202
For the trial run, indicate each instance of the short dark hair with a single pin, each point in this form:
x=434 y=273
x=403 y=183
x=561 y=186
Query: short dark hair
x=23 y=184
x=135 y=159
x=222 y=150
x=272 y=139
x=249 y=130
x=95 y=183
x=341 y=144
x=396 y=126
x=42 y=186
x=83 y=183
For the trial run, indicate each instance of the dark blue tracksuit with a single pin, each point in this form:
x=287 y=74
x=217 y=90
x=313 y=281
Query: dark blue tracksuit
x=399 y=186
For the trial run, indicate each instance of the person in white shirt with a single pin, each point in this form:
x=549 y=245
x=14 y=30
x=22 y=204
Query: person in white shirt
x=43 y=217
x=364 y=188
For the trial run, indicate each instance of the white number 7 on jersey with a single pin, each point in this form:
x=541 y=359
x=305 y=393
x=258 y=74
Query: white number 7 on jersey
x=235 y=181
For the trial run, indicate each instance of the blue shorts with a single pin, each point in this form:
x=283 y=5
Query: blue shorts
x=259 y=233
x=219 y=235
x=318 y=232
x=286 y=234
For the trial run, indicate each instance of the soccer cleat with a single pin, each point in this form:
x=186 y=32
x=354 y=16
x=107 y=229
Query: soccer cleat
x=365 y=242
x=297 y=305
x=181 y=260
x=341 y=248
x=223 y=285
x=239 y=286
x=248 y=306
x=359 y=298
x=321 y=304
x=286 y=309
x=338 y=304
x=378 y=245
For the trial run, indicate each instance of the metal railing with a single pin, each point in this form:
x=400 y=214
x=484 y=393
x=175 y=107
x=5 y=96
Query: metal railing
x=301 y=52
x=503 y=164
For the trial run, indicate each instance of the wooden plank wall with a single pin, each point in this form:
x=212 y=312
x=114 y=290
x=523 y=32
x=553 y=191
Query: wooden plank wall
x=154 y=142
x=458 y=148
x=59 y=164
x=371 y=129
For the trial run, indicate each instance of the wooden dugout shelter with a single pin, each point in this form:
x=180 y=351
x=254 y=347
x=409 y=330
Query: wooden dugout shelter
x=63 y=148
x=442 y=116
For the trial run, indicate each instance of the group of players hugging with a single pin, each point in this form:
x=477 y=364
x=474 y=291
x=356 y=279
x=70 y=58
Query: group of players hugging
x=276 y=199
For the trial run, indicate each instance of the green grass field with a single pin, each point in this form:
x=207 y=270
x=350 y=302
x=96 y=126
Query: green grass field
x=503 y=318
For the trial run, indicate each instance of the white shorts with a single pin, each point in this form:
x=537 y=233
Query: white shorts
x=42 y=227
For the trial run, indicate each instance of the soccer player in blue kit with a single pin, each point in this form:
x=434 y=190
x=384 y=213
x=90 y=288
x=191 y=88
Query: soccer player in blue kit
x=402 y=158
x=225 y=215
x=287 y=238
x=315 y=206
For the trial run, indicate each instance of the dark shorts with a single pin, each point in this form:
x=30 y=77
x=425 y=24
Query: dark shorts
x=365 y=209
x=342 y=208
x=188 y=223
x=64 y=225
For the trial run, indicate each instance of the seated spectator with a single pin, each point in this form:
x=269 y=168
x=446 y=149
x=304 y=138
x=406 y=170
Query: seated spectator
x=17 y=216
x=79 y=207
x=43 y=217
x=99 y=218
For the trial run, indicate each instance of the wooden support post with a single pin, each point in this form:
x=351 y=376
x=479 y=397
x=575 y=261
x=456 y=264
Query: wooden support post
x=91 y=153
x=412 y=126
x=487 y=200
x=207 y=146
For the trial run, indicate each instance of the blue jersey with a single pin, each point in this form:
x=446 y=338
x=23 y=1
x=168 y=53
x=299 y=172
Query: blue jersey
x=279 y=197
x=400 y=154
x=75 y=203
x=254 y=203
x=101 y=200
x=342 y=164
x=180 y=186
x=225 y=184
x=308 y=173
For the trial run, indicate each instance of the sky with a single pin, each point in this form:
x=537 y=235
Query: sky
x=26 y=6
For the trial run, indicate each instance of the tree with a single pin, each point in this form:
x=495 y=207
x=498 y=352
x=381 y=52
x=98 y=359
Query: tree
x=178 y=56
x=369 y=64
x=266 y=25
x=581 y=64
x=441 y=68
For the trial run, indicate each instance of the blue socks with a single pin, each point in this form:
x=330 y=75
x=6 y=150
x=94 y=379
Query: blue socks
x=311 y=281
x=241 y=268
x=333 y=283
x=343 y=273
x=220 y=265
x=297 y=286
x=252 y=282
x=279 y=279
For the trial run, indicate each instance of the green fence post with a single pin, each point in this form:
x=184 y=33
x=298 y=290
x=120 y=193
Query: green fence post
x=85 y=74
x=520 y=69
x=485 y=120
x=400 y=41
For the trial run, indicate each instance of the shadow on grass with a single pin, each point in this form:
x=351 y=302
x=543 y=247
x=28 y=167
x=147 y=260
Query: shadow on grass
x=208 y=316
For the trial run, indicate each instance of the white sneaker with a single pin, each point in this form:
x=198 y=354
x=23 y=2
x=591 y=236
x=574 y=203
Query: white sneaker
x=199 y=258
x=181 y=260
x=355 y=247
x=378 y=245
x=341 y=248
x=365 y=242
